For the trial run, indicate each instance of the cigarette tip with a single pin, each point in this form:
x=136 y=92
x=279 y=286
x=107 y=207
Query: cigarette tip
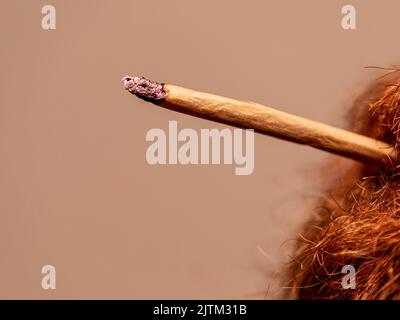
x=144 y=88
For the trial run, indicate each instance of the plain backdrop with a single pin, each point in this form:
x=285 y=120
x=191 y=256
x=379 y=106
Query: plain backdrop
x=76 y=191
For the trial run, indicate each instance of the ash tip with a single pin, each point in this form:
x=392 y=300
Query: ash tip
x=144 y=88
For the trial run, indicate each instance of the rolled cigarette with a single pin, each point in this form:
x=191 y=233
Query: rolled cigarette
x=262 y=119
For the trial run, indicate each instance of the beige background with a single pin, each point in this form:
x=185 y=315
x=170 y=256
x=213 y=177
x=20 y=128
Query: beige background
x=75 y=188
